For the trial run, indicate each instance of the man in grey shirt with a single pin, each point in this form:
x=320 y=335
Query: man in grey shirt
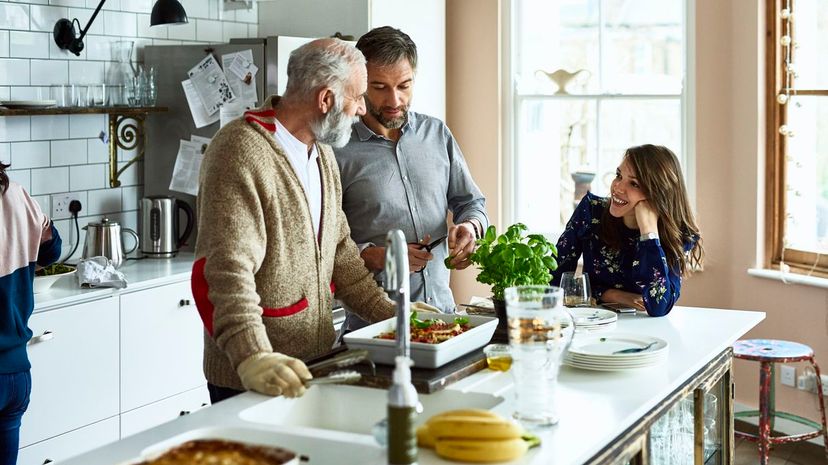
x=404 y=170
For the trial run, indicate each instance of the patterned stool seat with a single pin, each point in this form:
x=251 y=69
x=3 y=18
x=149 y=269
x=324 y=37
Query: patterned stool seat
x=768 y=352
x=772 y=350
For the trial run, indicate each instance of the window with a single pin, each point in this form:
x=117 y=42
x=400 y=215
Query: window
x=797 y=132
x=590 y=78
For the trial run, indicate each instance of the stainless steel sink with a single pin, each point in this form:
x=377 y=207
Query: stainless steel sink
x=353 y=409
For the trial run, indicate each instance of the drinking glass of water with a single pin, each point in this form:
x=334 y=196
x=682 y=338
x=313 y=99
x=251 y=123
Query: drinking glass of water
x=576 y=289
x=540 y=330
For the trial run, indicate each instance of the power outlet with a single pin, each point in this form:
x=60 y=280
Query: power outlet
x=787 y=375
x=60 y=205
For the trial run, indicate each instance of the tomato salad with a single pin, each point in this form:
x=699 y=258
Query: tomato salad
x=432 y=331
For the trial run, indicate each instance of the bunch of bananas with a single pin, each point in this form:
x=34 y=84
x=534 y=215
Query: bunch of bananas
x=474 y=435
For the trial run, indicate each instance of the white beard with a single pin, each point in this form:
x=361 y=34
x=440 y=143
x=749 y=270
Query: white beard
x=334 y=128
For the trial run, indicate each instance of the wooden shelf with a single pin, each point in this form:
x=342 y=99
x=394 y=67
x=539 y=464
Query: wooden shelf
x=126 y=129
x=121 y=111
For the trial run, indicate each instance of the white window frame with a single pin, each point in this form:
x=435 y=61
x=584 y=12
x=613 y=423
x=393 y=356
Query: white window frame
x=511 y=104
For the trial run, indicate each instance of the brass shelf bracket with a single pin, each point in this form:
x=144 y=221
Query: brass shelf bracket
x=127 y=133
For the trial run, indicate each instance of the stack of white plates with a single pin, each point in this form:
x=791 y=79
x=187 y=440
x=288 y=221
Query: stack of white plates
x=590 y=319
x=605 y=352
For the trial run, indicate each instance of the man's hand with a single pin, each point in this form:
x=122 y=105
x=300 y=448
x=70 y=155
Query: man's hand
x=461 y=244
x=646 y=217
x=628 y=299
x=374 y=258
x=274 y=374
x=418 y=257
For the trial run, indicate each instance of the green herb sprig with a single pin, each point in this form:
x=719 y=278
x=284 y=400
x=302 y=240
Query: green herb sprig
x=512 y=259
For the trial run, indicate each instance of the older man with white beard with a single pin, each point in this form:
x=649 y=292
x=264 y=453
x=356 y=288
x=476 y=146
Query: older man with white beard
x=273 y=243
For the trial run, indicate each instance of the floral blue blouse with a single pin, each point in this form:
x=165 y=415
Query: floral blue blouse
x=639 y=266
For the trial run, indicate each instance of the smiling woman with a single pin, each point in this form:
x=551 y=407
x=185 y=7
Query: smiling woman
x=639 y=242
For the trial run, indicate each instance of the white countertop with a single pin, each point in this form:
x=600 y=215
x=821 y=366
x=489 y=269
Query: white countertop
x=140 y=274
x=595 y=407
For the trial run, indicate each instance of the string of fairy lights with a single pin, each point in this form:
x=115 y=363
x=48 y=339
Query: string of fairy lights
x=788 y=44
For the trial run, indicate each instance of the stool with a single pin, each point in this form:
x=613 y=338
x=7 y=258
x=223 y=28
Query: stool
x=768 y=352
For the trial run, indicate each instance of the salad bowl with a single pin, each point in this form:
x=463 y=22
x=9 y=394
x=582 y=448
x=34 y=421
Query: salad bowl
x=424 y=355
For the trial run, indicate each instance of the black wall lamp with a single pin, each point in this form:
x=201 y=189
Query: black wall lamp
x=163 y=12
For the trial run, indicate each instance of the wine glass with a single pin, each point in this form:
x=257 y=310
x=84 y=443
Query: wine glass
x=576 y=289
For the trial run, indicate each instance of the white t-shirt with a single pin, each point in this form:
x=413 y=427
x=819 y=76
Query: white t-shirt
x=306 y=168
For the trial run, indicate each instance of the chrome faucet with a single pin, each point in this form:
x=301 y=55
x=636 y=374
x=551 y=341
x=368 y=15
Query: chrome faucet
x=398 y=286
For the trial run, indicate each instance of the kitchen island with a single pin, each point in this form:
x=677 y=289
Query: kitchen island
x=605 y=417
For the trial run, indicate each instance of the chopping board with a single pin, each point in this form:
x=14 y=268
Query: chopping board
x=425 y=380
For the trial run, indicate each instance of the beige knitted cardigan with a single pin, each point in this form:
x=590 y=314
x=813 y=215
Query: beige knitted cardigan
x=262 y=281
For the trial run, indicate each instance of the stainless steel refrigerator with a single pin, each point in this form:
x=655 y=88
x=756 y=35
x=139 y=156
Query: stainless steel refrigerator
x=164 y=130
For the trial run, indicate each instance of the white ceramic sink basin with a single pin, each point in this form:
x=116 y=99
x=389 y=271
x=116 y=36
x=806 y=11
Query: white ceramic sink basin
x=318 y=448
x=353 y=409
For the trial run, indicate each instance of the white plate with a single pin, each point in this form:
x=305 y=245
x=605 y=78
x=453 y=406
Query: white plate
x=591 y=316
x=593 y=367
x=14 y=104
x=604 y=346
x=424 y=355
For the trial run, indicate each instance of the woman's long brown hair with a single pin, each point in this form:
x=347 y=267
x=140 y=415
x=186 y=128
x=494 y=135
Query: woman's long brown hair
x=4 y=178
x=658 y=171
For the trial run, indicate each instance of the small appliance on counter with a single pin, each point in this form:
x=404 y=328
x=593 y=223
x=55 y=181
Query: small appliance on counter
x=104 y=240
x=159 y=226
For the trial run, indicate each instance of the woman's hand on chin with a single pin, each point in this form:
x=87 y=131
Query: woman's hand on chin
x=625 y=298
x=646 y=217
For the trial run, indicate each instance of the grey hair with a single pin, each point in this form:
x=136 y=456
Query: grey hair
x=318 y=64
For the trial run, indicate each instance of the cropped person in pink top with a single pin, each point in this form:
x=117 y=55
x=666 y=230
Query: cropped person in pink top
x=29 y=239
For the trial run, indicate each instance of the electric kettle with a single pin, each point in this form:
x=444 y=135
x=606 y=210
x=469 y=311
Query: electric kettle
x=104 y=239
x=159 y=226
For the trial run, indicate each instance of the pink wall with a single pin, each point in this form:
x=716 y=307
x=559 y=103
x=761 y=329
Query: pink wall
x=729 y=47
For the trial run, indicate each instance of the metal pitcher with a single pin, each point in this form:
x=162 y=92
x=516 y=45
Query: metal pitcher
x=104 y=239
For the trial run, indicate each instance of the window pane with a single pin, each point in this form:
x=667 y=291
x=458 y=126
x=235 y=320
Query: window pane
x=555 y=139
x=811 y=36
x=556 y=35
x=625 y=123
x=806 y=225
x=643 y=41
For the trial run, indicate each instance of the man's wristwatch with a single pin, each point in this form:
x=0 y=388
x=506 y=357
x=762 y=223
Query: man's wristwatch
x=648 y=236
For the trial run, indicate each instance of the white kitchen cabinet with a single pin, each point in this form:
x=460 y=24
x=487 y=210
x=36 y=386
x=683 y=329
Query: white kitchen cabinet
x=70 y=444
x=423 y=20
x=154 y=414
x=161 y=344
x=74 y=357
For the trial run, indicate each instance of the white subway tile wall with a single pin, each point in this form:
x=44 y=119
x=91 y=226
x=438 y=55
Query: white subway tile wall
x=66 y=153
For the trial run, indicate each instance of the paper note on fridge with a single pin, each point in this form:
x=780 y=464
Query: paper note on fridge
x=200 y=116
x=187 y=165
x=241 y=74
x=211 y=84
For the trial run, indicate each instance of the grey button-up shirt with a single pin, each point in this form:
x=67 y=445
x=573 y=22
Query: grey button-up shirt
x=410 y=185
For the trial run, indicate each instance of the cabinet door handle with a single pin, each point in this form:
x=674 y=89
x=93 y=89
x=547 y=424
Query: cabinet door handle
x=48 y=461
x=42 y=338
x=184 y=303
x=183 y=412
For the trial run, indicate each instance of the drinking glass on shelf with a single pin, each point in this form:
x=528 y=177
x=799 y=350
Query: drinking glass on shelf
x=80 y=95
x=96 y=95
x=61 y=94
x=540 y=331
x=576 y=289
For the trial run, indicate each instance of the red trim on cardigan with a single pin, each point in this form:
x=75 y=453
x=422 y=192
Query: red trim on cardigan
x=333 y=288
x=286 y=311
x=200 y=289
